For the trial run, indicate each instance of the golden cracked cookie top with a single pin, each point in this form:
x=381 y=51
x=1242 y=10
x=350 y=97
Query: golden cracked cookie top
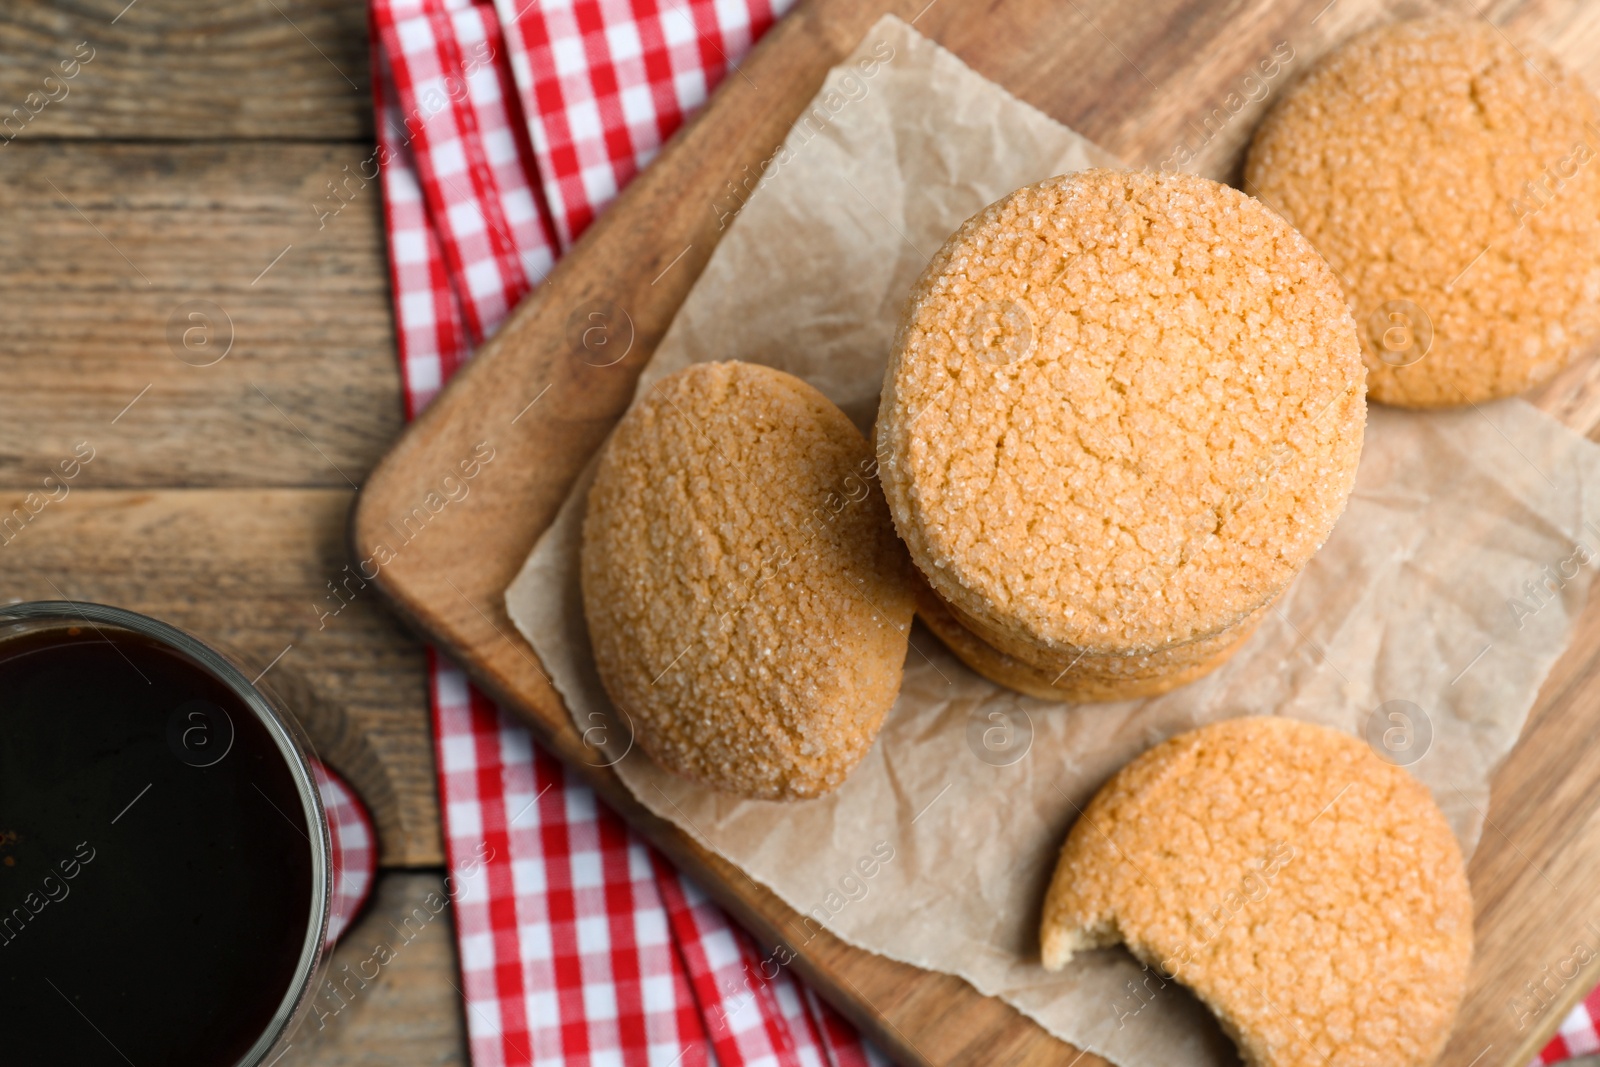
x=1311 y=894
x=747 y=600
x=1449 y=177
x=1122 y=411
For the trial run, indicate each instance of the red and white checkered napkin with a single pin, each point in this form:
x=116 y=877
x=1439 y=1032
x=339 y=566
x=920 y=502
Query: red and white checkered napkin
x=501 y=135
x=354 y=846
x=1579 y=1034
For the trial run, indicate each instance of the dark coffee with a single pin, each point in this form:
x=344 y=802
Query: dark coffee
x=155 y=860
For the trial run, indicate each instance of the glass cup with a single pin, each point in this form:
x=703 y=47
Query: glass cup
x=148 y=879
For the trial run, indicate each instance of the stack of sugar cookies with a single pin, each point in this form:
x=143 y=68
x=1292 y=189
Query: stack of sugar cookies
x=1122 y=412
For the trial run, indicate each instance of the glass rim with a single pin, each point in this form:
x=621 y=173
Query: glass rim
x=266 y=711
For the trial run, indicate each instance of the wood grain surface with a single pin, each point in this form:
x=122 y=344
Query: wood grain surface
x=1140 y=80
x=107 y=252
x=408 y=1014
x=191 y=149
x=186 y=69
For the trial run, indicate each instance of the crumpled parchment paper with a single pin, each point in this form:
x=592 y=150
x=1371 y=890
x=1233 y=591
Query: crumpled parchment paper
x=1426 y=623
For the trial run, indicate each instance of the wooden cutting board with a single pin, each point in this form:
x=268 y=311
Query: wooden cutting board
x=1141 y=80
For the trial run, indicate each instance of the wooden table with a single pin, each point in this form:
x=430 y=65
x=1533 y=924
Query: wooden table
x=187 y=170
x=189 y=161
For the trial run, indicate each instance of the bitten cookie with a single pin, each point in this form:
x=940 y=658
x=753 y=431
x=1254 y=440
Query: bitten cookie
x=747 y=600
x=1308 y=892
x=1448 y=176
x=1121 y=413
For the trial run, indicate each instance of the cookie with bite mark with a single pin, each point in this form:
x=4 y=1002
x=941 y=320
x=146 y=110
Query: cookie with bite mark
x=1308 y=892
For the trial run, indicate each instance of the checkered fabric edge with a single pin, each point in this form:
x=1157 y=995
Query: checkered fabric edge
x=604 y=83
x=1579 y=1035
x=756 y=1011
x=429 y=334
x=565 y=952
x=451 y=81
x=354 y=846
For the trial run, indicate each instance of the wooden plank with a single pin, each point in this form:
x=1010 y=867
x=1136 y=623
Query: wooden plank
x=1137 y=79
x=282 y=69
x=250 y=568
x=107 y=252
x=395 y=1014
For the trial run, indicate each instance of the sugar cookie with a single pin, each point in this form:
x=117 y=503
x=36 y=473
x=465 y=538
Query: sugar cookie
x=1448 y=176
x=747 y=601
x=1308 y=892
